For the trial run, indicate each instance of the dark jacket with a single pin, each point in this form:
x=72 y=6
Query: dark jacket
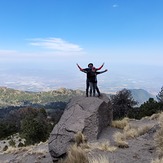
x=93 y=75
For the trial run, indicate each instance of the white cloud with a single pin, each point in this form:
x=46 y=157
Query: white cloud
x=115 y=5
x=56 y=44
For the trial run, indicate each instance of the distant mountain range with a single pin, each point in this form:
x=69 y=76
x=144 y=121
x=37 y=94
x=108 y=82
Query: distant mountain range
x=12 y=97
x=141 y=95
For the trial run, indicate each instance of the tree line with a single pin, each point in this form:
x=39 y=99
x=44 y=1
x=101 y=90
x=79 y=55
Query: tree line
x=33 y=124
x=124 y=105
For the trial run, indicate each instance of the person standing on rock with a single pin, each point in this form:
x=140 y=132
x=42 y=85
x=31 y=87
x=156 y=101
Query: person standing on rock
x=93 y=81
x=87 y=70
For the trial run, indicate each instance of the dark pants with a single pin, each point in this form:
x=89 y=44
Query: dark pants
x=93 y=86
x=87 y=87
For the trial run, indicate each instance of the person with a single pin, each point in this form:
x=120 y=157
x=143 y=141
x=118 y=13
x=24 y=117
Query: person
x=86 y=70
x=93 y=81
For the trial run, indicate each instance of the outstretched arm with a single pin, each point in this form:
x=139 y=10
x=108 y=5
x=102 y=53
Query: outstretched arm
x=100 y=67
x=79 y=67
x=101 y=71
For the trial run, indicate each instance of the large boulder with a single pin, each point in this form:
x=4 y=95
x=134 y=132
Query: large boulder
x=89 y=115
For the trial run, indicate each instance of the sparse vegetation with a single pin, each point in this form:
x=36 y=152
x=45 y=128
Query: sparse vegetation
x=77 y=153
x=158 y=160
x=155 y=116
x=159 y=137
x=103 y=146
x=120 y=123
x=99 y=159
x=120 y=138
x=80 y=138
x=161 y=119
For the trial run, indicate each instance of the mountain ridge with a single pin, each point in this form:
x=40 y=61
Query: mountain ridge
x=141 y=95
x=13 y=97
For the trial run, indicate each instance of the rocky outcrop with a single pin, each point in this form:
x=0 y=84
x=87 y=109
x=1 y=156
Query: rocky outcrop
x=90 y=115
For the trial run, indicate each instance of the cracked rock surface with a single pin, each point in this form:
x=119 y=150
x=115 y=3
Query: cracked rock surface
x=90 y=115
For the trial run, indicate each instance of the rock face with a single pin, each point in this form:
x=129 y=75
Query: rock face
x=86 y=114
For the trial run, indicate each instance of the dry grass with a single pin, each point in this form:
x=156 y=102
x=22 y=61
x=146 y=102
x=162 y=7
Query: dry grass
x=145 y=118
x=104 y=146
x=157 y=160
x=30 y=149
x=76 y=155
x=10 y=142
x=120 y=123
x=128 y=132
x=80 y=138
x=81 y=141
x=131 y=133
x=161 y=119
x=99 y=159
x=120 y=140
x=86 y=147
x=16 y=150
x=159 y=137
x=142 y=130
x=154 y=116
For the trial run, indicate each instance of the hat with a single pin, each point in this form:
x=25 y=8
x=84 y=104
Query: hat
x=90 y=64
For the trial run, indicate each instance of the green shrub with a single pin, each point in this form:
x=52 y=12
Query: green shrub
x=6 y=129
x=122 y=103
x=31 y=123
x=147 y=109
x=34 y=130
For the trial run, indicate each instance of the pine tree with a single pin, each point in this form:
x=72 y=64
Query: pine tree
x=122 y=103
x=160 y=96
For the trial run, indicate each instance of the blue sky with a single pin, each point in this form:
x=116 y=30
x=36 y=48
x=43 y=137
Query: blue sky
x=41 y=41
